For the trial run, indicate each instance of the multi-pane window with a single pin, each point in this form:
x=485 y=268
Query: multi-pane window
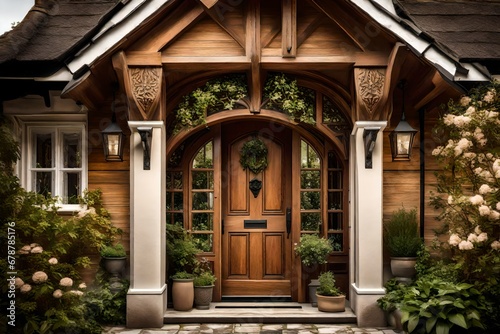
x=335 y=203
x=202 y=200
x=56 y=163
x=310 y=189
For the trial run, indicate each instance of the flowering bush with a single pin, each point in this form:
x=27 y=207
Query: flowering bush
x=469 y=191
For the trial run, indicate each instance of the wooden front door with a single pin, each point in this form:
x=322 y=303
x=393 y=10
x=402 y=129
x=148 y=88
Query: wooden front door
x=256 y=246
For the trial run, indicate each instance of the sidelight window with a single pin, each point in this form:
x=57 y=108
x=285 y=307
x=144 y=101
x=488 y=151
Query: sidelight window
x=310 y=189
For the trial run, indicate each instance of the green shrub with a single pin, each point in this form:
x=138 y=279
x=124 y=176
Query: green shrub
x=116 y=250
x=327 y=285
x=313 y=249
x=206 y=278
x=401 y=234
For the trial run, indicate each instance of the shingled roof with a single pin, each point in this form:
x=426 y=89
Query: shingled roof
x=51 y=33
x=467 y=30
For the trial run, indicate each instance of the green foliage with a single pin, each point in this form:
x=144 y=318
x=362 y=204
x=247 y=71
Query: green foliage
x=327 y=285
x=181 y=250
x=206 y=278
x=313 y=249
x=253 y=155
x=216 y=95
x=401 y=234
x=182 y=275
x=394 y=295
x=284 y=94
x=438 y=306
x=103 y=306
x=116 y=250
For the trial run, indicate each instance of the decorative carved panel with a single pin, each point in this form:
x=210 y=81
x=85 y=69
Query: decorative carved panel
x=369 y=92
x=146 y=88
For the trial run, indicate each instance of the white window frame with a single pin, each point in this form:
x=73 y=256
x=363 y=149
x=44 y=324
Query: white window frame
x=58 y=130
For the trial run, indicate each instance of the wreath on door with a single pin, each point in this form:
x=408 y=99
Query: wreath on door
x=253 y=155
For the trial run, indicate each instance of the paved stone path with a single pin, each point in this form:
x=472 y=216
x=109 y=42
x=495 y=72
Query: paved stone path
x=251 y=329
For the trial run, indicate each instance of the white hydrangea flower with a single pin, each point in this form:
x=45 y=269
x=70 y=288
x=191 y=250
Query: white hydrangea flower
x=76 y=292
x=489 y=97
x=476 y=200
x=494 y=215
x=19 y=282
x=450 y=199
x=495 y=245
x=465 y=100
x=39 y=277
x=485 y=189
x=25 y=288
x=57 y=293
x=53 y=260
x=37 y=250
x=82 y=286
x=454 y=239
x=482 y=237
x=66 y=281
x=472 y=237
x=465 y=245
x=484 y=210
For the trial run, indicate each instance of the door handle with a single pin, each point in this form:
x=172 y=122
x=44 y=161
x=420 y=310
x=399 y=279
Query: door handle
x=222 y=226
x=288 y=222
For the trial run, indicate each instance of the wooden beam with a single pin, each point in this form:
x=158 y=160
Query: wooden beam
x=215 y=14
x=254 y=54
x=289 y=28
x=182 y=18
x=394 y=66
x=439 y=86
x=206 y=63
x=308 y=30
x=209 y=3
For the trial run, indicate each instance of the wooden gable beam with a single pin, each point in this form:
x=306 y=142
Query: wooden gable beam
x=179 y=20
x=215 y=13
x=254 y=54
x=209 y=3
x=289 y=28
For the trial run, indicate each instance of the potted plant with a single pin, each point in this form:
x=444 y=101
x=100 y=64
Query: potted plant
x=403 y=242
x=313 y=250
x=391 y=302
x=330 y=298
x=114 y=258
x=182 y=261
x=203 y=289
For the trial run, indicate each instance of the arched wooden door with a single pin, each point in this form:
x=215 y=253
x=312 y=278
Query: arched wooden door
x=256 y=244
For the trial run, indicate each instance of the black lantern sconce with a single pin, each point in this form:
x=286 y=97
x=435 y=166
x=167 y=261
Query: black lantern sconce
x=113 y=138
x=402 y=136
x=146 y=134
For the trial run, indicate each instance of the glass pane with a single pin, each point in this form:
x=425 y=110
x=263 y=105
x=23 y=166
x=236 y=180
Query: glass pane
x=310 y=179
x=113 y=144
x=43 y=183
x=308 y=157
x=177 y=182
x=204 y=157
x=403 y=140
x=337 y=241
x=72 y=150
x=203 y=180
x=178 y=219
x=334 y=201
x=335 y=221
x=169 y=205
x=203 y=201
x=178 y=201
x=333 y=162
x=43 y=151
x=204 y=242
x=310 y=221
x=71 y=188
x=334 y=180
x=202 y=221
x=310 y=200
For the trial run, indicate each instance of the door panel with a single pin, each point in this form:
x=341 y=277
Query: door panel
x=256 y=251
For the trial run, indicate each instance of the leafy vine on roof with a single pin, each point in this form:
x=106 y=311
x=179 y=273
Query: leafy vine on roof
x=284 y=94
x=217 y=94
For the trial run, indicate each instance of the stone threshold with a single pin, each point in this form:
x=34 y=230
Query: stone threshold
x=265 y=313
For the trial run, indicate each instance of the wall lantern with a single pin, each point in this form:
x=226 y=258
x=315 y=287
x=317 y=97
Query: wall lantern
x=402 y=136
x=112 y=140
x=146 y=135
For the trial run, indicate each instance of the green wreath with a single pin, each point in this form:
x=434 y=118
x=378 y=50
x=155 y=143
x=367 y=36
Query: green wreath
x=253 y=155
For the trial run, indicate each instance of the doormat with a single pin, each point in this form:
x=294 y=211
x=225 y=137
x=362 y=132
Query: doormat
x=259 y=306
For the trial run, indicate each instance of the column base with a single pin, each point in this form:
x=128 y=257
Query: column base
x=364 y=305
x=146 y=308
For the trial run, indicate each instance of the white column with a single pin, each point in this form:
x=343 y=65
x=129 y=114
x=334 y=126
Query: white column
x=147 y=296
x=366 y=206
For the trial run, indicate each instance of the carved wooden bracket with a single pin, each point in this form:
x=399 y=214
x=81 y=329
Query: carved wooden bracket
x=141 y=77
x=369 y=84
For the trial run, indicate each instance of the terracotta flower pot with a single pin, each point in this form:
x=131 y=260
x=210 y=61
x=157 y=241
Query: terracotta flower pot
x=331 y=303
x=183 y=294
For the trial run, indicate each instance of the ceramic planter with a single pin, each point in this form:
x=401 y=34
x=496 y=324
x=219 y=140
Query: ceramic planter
x=182 y=294
x=331 y=303
x=203 y=296
x=114 y=265
x=403 y=266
